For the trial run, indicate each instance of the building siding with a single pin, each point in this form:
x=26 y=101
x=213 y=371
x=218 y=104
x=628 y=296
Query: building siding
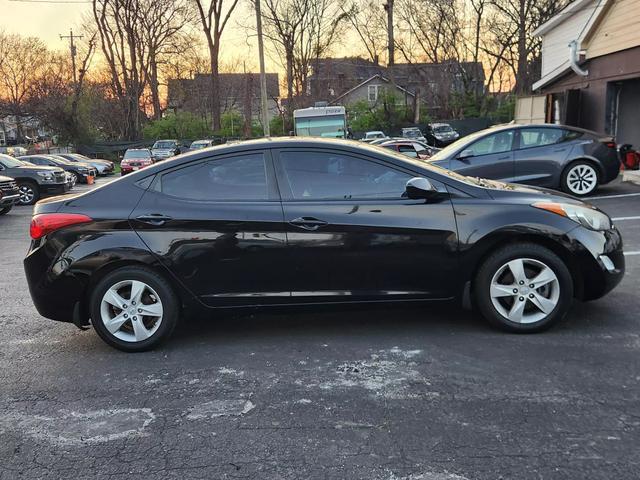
x=555 y=43
x=618 y=29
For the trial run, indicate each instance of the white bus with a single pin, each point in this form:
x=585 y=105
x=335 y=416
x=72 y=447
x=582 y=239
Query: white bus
x=320 y=121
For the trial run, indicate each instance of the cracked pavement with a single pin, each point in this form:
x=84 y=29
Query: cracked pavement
x=398 y=393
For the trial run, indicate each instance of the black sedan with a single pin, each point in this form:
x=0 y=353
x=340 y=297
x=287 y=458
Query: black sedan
x=311 y=222
x=80 y=172
x=571 y=159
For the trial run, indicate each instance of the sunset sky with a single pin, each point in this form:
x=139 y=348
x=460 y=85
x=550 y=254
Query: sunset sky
x=48 y=21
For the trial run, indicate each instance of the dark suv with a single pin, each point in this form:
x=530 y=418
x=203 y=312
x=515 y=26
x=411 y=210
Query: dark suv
x=9 y=194
x=80 y=172
x=33 y=181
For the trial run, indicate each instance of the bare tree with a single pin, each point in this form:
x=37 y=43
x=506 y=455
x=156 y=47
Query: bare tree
x=367 y=19
x=23 y=60
x=161 y=22
x=123 y=47
x=213 y=19
x=301 y=32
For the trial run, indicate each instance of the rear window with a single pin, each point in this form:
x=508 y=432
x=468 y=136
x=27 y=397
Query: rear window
x=137 y=154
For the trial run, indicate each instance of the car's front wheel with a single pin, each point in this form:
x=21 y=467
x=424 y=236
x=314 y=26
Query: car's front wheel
x=29 y=192
x=580 y=178
x=523 y=288
x=134 y=309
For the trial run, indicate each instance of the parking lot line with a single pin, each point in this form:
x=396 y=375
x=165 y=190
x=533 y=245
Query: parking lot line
x=628 y=254
x=618 y=219
x=604 y=197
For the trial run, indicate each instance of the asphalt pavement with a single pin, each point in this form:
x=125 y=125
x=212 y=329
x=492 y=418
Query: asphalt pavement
x=379 y=394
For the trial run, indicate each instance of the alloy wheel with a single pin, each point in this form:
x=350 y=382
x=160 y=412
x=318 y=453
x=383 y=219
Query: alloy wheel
x=27 y=194
x=582 y=179
x=524 y=290
x=131 y=311
x=74 y=179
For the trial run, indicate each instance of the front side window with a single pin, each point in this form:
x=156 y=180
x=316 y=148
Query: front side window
x=497 y=143
x=539 y=137
x=235 y=178
x=335 y=176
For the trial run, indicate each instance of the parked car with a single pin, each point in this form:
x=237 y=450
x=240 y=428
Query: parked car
x=413 y=133
x=373 y=135
x=408 y=148
x=135 y=159
x=346 y=223
x=103 y=167
x=9 y=194
x=571 y=159
x=198 y=144
x=440 y=134
x=33 y=181
x=80 y=172
x=163 y=149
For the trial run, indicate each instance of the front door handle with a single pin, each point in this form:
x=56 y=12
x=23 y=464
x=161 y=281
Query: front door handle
x=156 y=219
x=308 y=223
x=507 y=157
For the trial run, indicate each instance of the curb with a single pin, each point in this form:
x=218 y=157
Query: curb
x=632 y=176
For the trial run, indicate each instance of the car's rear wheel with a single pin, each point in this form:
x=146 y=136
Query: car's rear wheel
x=580 y=178
x=134 y=309
x=523 y=288
x=74 y=178
x=29 y=192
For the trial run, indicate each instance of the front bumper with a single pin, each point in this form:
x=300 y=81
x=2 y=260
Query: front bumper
x=54 y=188
x=600 y=258
x=8 y=200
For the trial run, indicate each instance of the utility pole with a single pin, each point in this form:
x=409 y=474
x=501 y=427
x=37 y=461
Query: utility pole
x=263 y=77
x=72 y=48
x=391 y=45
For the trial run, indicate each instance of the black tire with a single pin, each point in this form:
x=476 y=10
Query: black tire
x=493 y=264
x=28 y=186
x=564 y=180
x=5 y=210
x=167 y=296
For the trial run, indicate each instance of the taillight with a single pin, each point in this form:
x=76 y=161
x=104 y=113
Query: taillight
x=611 y=144
x=46 y=223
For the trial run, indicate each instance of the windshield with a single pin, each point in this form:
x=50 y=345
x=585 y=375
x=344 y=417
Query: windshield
x=137 y=154
x=200 y=144
x=443 y=129
x=412 y=133
x=331 y=126
x=11 y=162
x=164 y=144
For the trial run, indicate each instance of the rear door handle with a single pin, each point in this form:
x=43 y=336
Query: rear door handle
x=308 y=223
x=154 y=219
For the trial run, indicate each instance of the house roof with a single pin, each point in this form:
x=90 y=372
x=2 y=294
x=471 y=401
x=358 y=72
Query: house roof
x=361 y=84
x=599 y=9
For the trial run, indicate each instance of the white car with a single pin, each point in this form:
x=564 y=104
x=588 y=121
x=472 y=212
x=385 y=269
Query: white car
x=373 y=135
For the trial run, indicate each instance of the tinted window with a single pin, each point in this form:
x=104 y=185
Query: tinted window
x=137 y=154
x=236 y=178
x=334 y=176
x=539 y=137
x=497 y=143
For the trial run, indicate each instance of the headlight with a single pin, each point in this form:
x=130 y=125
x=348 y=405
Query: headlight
x=45 y=175
x=586 y=216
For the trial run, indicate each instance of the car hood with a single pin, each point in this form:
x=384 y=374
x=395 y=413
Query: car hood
x=37 y=168
x=527 y=194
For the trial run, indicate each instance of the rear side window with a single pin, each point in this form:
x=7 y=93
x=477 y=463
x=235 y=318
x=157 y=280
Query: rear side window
x=335 y=176
x=407 y=150
x=236 y=178
x=540 y=137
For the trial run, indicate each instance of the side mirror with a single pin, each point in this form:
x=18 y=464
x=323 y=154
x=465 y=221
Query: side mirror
x=464 y=154
x=420 y=187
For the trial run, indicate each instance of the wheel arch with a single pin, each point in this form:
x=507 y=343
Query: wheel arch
x=491 y=242
x=594 y=162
